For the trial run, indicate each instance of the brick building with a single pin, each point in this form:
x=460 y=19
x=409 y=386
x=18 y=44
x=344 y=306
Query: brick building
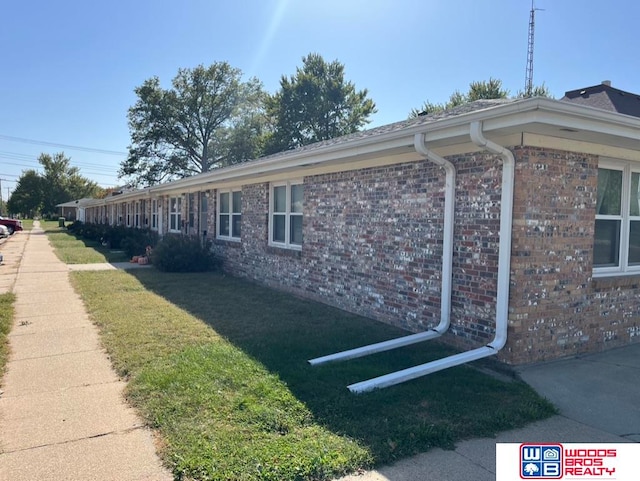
x=521 y=214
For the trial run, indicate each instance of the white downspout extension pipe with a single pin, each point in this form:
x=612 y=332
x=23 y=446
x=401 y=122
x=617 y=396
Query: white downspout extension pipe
x=504 y=272
x=447 y=271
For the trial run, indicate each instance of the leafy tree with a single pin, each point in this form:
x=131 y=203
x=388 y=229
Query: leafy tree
x=60 y=182
x=479 y=90
x=537 y=91
x=490 y=89
x=26 y=198
x=315 y=104
x=184 y=130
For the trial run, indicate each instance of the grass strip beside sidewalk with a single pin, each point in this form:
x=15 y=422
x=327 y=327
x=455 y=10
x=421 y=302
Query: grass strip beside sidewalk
x=73 y=250
x=218 y=366
x=6 y=322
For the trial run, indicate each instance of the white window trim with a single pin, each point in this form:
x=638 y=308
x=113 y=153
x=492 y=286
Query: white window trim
x=177 y=214
x=286 y=244
x=229 y=237
x=624 y=268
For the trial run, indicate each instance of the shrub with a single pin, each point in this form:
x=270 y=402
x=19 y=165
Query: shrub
x=178 y=253
x=135 y=241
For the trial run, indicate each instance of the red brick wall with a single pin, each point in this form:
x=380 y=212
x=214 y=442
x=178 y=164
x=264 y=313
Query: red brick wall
x=556 y=308
x=373 y=245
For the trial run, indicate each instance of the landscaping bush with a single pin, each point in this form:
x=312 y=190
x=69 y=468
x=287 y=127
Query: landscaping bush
x=133 y=241
x=178 y=253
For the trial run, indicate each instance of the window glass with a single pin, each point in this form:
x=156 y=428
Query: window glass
x=609 y=192
x=296 y=230
x=237 y=202
x=606 y=249
x=634 y=198
x=224 y=202
x=224 y=225
x=634 y=243
x=296 y=198
x=279 y=226
x=237 y=222
x=280 y=198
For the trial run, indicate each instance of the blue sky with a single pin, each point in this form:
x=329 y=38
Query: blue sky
x=69 y=67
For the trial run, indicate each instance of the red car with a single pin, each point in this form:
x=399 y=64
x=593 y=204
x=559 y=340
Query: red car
x=12 y=225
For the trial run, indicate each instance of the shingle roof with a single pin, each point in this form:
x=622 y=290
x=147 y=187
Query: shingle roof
x=605 y=97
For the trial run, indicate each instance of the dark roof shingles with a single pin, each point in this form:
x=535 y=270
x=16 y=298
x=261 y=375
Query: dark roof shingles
x=605 y=97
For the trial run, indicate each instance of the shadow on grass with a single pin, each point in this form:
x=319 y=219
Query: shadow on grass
x=282 y=332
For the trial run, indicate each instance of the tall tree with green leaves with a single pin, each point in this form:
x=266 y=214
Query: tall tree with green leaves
x=39 y=193
x=315 y=104
x=27 y=197
x=61 y=182
x=183 y=130
x=478 y=90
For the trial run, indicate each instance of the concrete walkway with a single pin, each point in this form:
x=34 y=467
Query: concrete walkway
x=62 y=412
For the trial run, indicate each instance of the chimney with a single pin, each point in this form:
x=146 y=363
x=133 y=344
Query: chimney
x=607 y=83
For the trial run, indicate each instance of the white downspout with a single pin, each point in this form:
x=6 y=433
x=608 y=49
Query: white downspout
x=447 y=234
x=504 y=271
x=506 y=221
x=447 y=271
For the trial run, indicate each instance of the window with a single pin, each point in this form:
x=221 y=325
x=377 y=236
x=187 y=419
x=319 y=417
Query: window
x=154 y=214
x=229 y=214
x=617 y=231
x=286 y=215
x=175 y=214
x=203 y=212
x=192 y=207
x=128 y=214
x=137 y=215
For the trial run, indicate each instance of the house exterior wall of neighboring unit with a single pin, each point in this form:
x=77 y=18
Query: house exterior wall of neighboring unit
x=557 y=307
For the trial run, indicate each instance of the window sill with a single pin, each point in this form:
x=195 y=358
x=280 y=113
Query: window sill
x=617 y=280
x=283 y=250
x=225 y=241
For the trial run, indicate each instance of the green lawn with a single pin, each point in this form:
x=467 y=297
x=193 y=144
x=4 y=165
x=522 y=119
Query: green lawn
x=27 y=224
x=6 y=321
x=218 y=366
x=74 y=250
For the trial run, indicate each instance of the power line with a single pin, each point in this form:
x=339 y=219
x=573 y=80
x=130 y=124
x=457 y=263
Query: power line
x=31 y=159
x=66 y=146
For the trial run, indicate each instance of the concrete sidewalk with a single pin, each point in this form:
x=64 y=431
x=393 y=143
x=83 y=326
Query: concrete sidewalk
x=62 y=412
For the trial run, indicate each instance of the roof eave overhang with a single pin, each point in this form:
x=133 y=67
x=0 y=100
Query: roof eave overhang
x=503 y=119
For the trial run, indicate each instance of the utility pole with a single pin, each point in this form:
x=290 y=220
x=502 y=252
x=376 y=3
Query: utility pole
x=528 y=79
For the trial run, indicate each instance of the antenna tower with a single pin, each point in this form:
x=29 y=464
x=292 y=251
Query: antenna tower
x=528 y=79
